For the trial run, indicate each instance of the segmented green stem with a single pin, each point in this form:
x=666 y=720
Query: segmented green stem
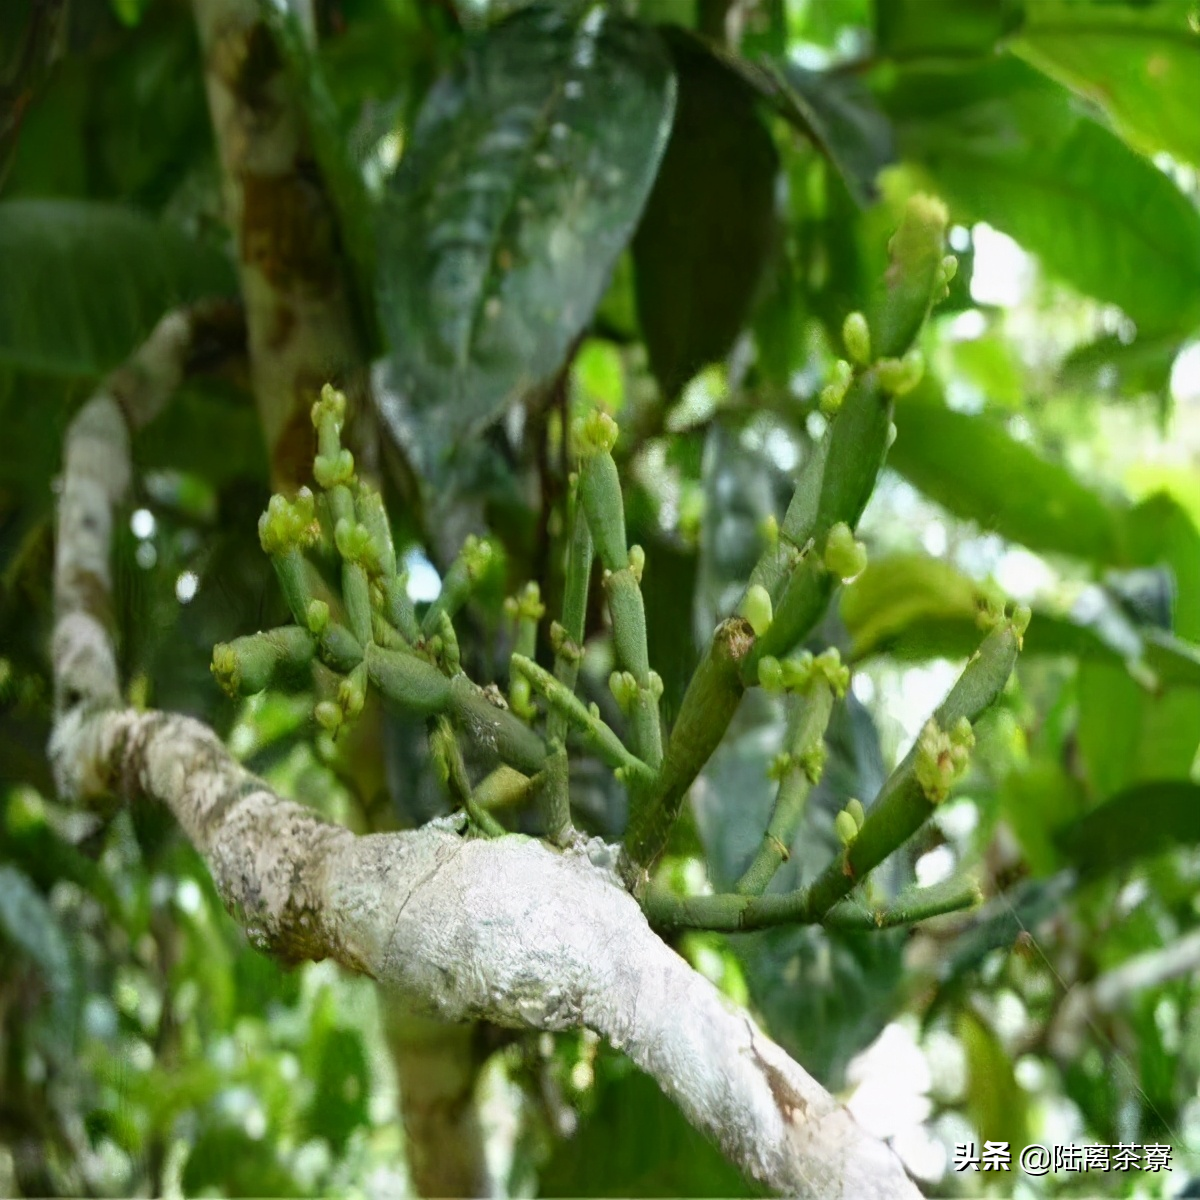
x=804 y=745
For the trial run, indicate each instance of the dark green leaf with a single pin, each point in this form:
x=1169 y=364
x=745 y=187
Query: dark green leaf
x=954 y=28
x=636 y=1143
x=842 y=118
x=231 y=1162
x=84 y=283
x=970 y=465
x=343 y=1088
x=526 y=172
x=1109 y=366
x=1004 y=145
x=996 y=1102
x=1138 y=822
x=1140 y=63
x=28 y=926
x=703 y=240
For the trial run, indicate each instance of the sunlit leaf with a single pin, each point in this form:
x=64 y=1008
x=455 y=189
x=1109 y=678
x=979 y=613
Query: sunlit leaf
x=1140 y=63
x=969 y=464
x=1004 y=145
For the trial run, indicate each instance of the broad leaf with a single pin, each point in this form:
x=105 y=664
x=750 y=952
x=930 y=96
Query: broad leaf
x=843 y=119
x=908 y=29
x=28 y=926
x=526 y=172
x=996 y=1102
x=1140 y=63
x=913 y=607
x=969 y=464
x=1138 y=822
x=84 y=282
x=637 y=1143
x=1004 y=145
x=703 y=240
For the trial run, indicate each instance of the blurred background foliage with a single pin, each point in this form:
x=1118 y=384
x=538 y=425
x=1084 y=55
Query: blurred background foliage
x=695 y=291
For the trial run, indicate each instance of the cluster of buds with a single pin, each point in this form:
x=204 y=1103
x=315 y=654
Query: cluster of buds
x=799 y=672
x=942 y=757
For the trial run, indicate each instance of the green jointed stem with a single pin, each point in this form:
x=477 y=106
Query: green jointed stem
x=292 y=573
x=408 y=681
x=460 y=580
x=599 y=736
x=804 y=746
x=356 y=595
x=398 y=607
x=554 y=796
x=600 y=491
x=707 y=707
x=449 y=763
x=248 y=665
x=730 y=913
x=503 y=787
x=526 y=610
x=339 y=649
x=495 y=728
x=915 y=279
x=567 y=637
x=903 y=806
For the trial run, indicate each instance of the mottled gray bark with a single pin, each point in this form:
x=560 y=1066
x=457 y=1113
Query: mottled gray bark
x=508 y=930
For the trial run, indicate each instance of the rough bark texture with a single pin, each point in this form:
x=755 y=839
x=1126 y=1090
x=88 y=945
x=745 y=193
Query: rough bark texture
x=508 y=930
x=294 y=281
x=438 y=1066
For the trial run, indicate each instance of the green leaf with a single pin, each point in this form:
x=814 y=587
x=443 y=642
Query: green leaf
x=1128 y=734
x=1139 y=63
x=843 y=119
x=636 y=1143
x=1035 y=801
x=996 y=1102
x=896 y=593
x=1138 y=822
x=526 y=172
x=913 y=607
x=28 y=925
x=969 y=464
x=343 y=1088
x=954 y=28
x=703 y=240
x=231 y=1162
x=1110 y=367
x=85 y=282
x=1004 y=145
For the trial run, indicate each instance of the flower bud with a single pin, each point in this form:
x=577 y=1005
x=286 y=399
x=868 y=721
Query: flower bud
x=856 y=333
x=847 y=828
x=756 y=608
x=844 y=557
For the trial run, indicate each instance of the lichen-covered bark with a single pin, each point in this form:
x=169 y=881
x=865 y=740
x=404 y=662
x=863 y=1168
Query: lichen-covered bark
x=294 y=283
x=508 y=930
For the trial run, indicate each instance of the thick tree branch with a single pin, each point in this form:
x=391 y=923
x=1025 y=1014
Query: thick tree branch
x=509 y=930
x=294 y=277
